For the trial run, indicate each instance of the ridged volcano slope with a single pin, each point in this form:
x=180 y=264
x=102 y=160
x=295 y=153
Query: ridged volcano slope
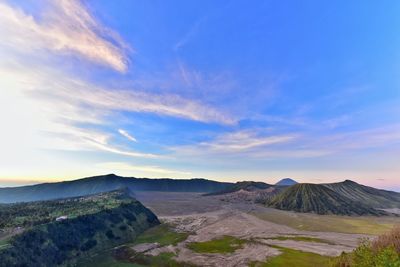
x=370 y=196
x=319 y=199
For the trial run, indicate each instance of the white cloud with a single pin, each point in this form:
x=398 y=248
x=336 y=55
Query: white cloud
x=249 y=144
x=239 y=144
x=74 y=138
x=244 y=141
x=65 y=26
x=85 y=101
x=145 y=170
x=138 y=101
x=43 y=100
x=108 y=148
x=45 y=108
x=127 y=135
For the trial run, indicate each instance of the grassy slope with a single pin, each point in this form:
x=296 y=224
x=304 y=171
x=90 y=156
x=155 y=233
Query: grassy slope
x=226 y=244
x=161 y=234
x=302 y=238
x=319 y=199
x=329 y=223
x=291 y=257
x=130 y=259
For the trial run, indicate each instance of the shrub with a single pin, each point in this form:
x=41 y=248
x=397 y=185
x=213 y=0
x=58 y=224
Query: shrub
x=381 y=252
x=391 y=239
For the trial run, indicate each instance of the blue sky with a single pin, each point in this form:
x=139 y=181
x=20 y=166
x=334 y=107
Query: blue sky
x=226 y=90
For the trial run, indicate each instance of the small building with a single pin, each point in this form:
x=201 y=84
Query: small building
x=61 y=218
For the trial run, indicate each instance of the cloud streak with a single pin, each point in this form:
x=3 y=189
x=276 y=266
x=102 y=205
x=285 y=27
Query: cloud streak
x=67 y=108
x=127 y=135
x=65 y=27
x=244 y=141
x=138 y=101
x=154 y=170
x=234 y=144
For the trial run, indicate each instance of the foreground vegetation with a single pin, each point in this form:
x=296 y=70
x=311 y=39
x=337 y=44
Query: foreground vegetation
x=382 y=252
x=63 y=242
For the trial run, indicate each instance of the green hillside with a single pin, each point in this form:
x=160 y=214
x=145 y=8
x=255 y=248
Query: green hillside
x=373 y=197
x=92 y=224
x=104 y=183
x=319 y=199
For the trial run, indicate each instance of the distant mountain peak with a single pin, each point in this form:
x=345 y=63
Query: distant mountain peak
x=110 y=175
x=286 y=182
x=347 y=181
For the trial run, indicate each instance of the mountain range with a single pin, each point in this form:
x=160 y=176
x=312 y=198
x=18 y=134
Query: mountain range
x=344 y=198
x=104 y=183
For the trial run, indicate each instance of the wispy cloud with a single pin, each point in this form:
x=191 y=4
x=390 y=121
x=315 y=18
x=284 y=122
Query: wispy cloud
x=254 y=147
x=67 y=108
x=56 y=110
x=189 y=34
x=127 y=135
x=65 y=27
x=361 y=139
x=149 y=170
x=244 y=141
x=139 y=101
x=106 y=147
x=233 y=144
x=67 y=137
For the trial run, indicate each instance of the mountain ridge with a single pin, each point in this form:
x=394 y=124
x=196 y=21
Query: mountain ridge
x=104 y=183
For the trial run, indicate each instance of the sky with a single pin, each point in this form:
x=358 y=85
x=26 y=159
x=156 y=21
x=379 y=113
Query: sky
x=225 y=90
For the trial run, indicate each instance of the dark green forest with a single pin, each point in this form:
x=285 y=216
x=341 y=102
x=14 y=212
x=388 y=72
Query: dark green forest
x=96 y=223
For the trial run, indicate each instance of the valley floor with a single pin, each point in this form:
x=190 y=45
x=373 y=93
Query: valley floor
x=233 y=233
